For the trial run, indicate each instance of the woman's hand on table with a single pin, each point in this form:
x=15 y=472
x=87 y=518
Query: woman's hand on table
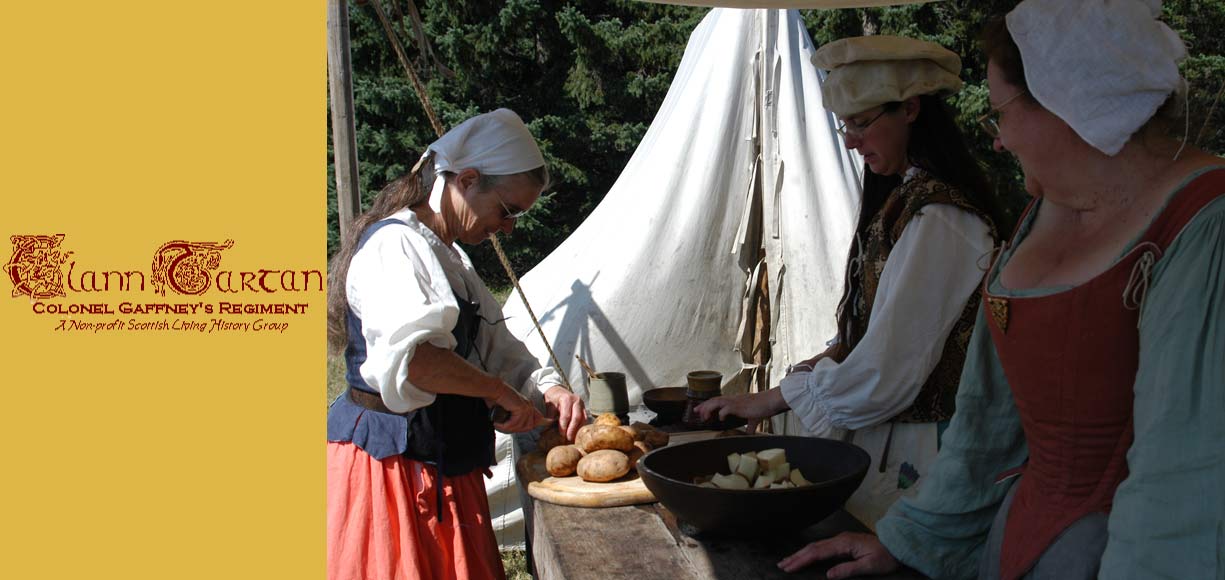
x=568 y=408
x=523 y=414
x=868 y=556
x=751 y=407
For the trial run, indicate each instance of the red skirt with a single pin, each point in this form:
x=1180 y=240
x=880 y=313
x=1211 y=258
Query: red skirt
x=383 y=525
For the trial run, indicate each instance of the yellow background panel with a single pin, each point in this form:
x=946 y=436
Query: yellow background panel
x=146 y=453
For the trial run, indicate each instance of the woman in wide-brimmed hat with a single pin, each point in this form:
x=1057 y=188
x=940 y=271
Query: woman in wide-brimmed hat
x=924 y=236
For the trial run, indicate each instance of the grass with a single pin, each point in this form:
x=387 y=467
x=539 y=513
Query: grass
x=513 y=560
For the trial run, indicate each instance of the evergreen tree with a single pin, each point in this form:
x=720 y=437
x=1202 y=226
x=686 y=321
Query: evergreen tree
x=589 y=77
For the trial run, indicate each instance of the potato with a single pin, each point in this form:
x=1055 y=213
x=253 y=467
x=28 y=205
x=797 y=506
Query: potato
x=562 y=460
x=642 y=446
x=766 y=469
x=733 y=481
x=748 y=467
x=549 y=439
x=609 y=419
x=733 y=462
x=771 y=458
x=635 y=454
x=603 y=465
x=584 y=434
x=656 y=438
x=606 y=437
x=634 y=432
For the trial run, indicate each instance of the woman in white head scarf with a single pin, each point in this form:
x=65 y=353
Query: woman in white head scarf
x=1088 y=436
x=427 y=357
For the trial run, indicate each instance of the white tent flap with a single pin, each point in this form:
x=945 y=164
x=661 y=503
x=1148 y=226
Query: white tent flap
x=654 y=282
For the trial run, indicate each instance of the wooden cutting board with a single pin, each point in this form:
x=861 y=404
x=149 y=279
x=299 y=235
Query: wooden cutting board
x=573 y=491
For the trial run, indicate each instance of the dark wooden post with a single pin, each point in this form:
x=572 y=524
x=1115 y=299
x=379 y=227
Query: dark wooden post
x=344 y=135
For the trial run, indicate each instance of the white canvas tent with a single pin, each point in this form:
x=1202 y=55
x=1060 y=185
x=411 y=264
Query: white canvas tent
x=663 y=277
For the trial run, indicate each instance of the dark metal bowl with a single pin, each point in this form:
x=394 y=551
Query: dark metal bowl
x=835 y=469
x=667 y=402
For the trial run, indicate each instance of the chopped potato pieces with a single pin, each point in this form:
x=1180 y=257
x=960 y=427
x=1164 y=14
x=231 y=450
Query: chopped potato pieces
x=766 y=469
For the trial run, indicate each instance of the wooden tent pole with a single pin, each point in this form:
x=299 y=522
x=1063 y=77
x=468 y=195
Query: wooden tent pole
x=344 y=135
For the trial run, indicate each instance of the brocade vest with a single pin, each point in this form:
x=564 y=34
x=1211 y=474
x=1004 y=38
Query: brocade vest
x=865 y=264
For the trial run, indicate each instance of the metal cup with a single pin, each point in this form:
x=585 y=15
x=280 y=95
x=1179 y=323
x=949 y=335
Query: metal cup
x=606 y=394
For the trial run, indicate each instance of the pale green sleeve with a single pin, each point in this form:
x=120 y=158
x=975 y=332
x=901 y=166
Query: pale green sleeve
x=1168 y=519
x=941 y=531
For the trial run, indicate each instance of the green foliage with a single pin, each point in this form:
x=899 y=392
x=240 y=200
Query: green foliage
x=590 y=75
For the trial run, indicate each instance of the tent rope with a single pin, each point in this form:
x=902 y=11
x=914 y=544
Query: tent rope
x=408 y=68
x=497 y=247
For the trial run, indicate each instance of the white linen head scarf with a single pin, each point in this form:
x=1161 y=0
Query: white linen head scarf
x=495 y=143
x=1103 y=66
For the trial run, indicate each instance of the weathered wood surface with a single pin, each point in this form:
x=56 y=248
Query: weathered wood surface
x=644 y=542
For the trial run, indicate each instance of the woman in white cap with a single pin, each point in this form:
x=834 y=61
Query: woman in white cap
x=427 y=357
x=1088 y=438
x=924 y=237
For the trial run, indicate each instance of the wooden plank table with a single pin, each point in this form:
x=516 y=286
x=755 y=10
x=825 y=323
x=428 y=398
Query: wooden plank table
x=644 y=542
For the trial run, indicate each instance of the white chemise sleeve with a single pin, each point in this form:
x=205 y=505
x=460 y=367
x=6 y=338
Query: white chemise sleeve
x=501 y=353
x=936 y=264
x=399 y=290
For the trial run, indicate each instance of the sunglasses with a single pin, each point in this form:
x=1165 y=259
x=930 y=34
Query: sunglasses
x=507 y=213
x=990 y=121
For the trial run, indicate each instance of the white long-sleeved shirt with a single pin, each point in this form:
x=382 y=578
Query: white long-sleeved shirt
x=936 y=264
x=403 y=284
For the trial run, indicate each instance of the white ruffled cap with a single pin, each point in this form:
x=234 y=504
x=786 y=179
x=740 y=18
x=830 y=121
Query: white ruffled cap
x=494 y=143
x=1103 y=66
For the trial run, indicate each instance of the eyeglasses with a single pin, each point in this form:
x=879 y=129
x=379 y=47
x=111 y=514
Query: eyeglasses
x=507 y=214
x=990 y=121
x=852 y=129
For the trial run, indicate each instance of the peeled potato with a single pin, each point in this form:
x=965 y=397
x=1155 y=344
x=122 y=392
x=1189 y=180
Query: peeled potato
x=562 y=460
x=609 y=419
x=603 y=465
